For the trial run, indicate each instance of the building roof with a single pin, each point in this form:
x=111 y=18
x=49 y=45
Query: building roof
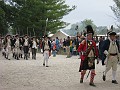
x=69 y=32
x=64 y=33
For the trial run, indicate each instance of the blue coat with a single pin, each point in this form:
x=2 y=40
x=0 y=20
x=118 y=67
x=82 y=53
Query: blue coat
x=106 y=45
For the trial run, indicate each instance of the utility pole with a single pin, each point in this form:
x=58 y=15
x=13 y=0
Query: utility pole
x=46 y=26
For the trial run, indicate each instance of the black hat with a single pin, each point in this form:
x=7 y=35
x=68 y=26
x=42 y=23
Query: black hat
x=89 y=29
x=8 y=35
x=34 y=37
x=112 y=33
x=21 y=36
x=46 y=36
x=25 y=35
x=16 y=35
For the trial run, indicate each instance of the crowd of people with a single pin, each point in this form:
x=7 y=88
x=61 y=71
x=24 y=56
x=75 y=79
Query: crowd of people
x=85 y=46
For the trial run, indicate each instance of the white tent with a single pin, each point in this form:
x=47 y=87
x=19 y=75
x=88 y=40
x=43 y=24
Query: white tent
x=60 y=34
x=118 y=33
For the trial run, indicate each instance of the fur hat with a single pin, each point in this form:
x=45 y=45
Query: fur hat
x=89 y=29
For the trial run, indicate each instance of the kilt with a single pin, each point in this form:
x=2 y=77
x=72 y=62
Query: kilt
x=84 y=65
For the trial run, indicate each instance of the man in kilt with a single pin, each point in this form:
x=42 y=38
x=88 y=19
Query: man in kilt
x=89 y=53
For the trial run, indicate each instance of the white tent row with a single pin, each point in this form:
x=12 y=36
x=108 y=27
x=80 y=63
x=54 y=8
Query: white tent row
x=118 y=33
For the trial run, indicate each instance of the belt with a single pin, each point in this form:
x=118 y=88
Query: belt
x=47 y=49
x=113 y=54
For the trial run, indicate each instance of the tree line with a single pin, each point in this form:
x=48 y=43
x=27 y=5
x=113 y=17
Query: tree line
x=32 y=17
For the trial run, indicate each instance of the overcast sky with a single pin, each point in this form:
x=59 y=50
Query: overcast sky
x=97 y=10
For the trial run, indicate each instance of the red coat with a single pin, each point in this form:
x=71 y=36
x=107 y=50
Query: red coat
x=82 y=48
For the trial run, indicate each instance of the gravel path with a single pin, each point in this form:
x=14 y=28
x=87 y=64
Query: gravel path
x=62 y=74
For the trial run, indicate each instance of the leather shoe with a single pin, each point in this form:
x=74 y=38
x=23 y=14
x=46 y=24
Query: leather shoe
x=114 y=81
x=81 y=80
x=43 y=64
x=104 y=77
x=92 y=84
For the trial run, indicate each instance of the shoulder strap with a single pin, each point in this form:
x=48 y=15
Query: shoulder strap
x=89 y=49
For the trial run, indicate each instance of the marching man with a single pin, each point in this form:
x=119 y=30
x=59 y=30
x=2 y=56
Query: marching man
x=89 y=54
x=26 y=47
x=34 y=47
x=21 y=47
x=47 y=48
x=8 y=46
x=111 y=50
x=17 y=47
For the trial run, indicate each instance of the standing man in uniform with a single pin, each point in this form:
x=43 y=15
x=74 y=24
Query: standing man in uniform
x=8 y=46
x=26 y=46
x=34 y=46
x=17 y=47
x=13 y=45
x=89 y=53
x=68 y=47
x=111 y=50
x=21 y=47
x=47 y=48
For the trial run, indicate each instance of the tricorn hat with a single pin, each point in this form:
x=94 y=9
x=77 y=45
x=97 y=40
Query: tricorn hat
x=46 y=36
x=8 y=35
x=25 y=35
x=34 y=37
x=16 y=35
x=112 y=33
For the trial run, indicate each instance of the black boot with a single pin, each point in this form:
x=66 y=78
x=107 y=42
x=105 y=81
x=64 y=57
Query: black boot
x=104 y=77
x=13 y=54
x=81 y=80
x=26 y=57
x=114 y=81
x=92 y=84
x=18 y=57
x=35 y=58
x=21 y=56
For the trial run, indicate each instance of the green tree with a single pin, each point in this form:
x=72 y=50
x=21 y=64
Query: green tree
x=3 y=21
x=116 y=10
x=30 y=16
x=81 y=25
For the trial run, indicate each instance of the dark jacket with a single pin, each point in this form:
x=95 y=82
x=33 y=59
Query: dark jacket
x=106 y=46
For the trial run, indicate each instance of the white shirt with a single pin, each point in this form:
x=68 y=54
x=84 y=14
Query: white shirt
x=26 y=42
x=46 y=45
x=9 y=43
x=34 y=45
x=17 y=43
x=113 y=47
